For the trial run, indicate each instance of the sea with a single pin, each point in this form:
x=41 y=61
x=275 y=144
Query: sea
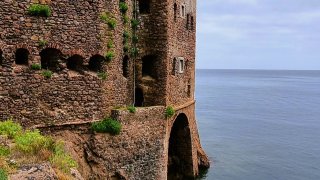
x=259 y=124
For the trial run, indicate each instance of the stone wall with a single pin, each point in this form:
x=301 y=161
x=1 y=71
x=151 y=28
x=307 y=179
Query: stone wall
x=73 y=94
x=182 y=42
x=138 y=152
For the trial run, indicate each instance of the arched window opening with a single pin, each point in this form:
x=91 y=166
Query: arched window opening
x=22 y=56
x=175 y=9
x=125 y=66
x=144 y=6
x=50 y=58
x=180 y=163
x=188 y=21
x=75 y=62
x=183 y=11
x=95 y=63
x=149 y=66
x=139 y=98
x=1 y=58
x=192 y=23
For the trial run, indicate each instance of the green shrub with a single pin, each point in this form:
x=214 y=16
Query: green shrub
x=35 y=66
x=135 y=39
x=102 y=75
x=112 y=23
x=47 y=74
x=126 y=48
x=107 y=125
x=4 y=151
x=134 y=23
x=31 y=142
x=131 y=109
x=3 y=174
x=126 y=35
x=110 y=44
x=9 y=128
x=109 y=20
x=123 y=7
x=109 y=55
x=61 y=159
x=169 y=112
x=134 y=52
x=125 y=19
x=42 y=43
x=39 y=10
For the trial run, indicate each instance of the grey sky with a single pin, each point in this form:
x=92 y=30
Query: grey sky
x=258 y=34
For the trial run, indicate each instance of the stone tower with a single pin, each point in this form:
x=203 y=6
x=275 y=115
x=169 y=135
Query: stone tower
x=97 y=57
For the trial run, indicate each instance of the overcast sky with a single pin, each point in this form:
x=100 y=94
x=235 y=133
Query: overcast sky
x=258 y=34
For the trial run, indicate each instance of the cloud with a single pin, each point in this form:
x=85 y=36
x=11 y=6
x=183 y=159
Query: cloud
x=246 y=2
x=255 y=29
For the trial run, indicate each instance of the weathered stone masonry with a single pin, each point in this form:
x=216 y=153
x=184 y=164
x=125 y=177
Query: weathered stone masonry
x=72 y=43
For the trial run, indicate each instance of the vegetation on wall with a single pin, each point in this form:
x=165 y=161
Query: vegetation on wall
x=107 y=18
x=39 y=10
x=131 y=109
x=102 y=75
x=42 y=43
x=123 y=7
x=107 y=125
x=35 y=66
x=30 y=147
x=47 y=74
x=169 y=111
x=134 y=23
x=109 y=55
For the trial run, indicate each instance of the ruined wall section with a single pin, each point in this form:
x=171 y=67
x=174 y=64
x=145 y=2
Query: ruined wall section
x=73 y=29
x=136 y=153
x=153 y=48
x=182 y=45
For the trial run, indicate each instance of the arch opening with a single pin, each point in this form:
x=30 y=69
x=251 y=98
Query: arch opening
x=149 y=66
x=95 y=63
x=175 y=9
x=192 y=23
x=50 y=58
x=75 y=62
x=125 y=66
x=139 y=98
x=180 y=164
x=22 y=56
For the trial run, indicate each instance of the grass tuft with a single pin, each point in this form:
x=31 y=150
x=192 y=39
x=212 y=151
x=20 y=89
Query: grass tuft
x=39 y=10
x=108 y=125
x=32 y=142
x=47 y=74
x=10 y=129
x=102 y=75
x=35 y=66
x=131 y=109
x=61 y=159
x=123 y=7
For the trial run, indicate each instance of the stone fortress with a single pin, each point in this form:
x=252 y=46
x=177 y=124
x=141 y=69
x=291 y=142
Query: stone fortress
x=96 y=57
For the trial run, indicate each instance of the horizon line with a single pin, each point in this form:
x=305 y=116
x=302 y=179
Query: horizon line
x=259 y=69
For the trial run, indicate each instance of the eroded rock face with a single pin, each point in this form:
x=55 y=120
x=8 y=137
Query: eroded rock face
x=35 y=171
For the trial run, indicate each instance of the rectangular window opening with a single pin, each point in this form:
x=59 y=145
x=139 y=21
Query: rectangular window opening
x=144 y=6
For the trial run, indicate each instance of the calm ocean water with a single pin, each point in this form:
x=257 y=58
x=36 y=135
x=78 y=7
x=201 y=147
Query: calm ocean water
x=260 y=125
